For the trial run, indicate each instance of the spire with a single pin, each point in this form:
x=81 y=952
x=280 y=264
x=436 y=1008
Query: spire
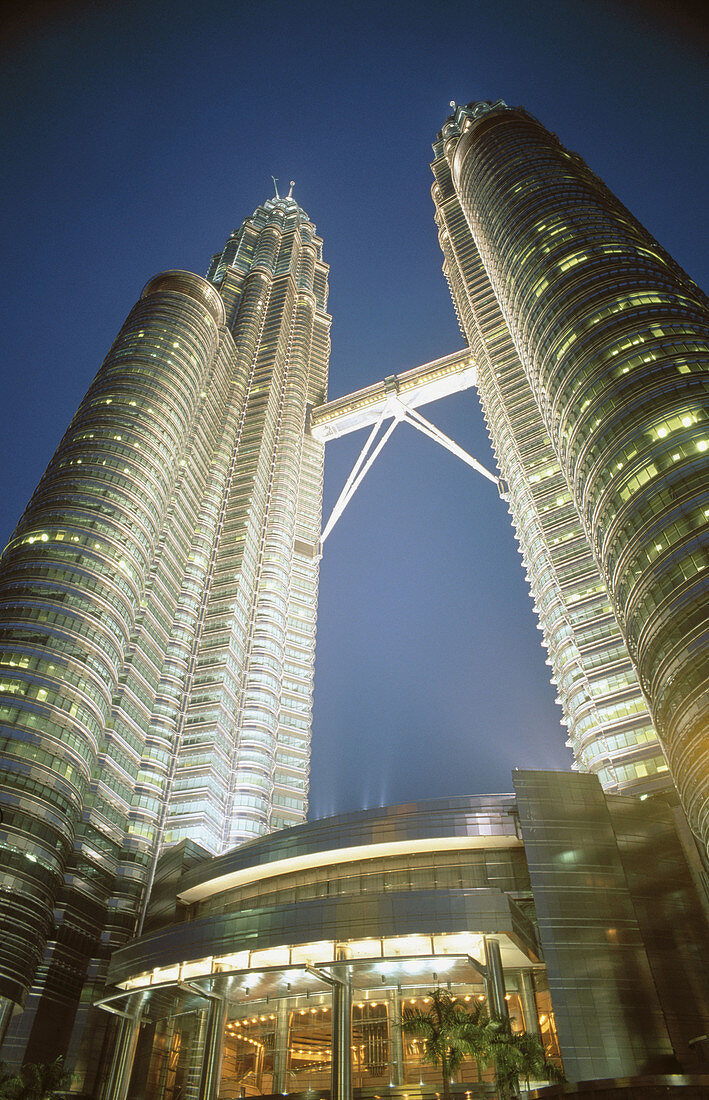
x=292 y=185
x=275 y=186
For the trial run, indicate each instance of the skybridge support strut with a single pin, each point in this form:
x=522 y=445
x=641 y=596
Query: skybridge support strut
x=399 y=412
x=359 y=470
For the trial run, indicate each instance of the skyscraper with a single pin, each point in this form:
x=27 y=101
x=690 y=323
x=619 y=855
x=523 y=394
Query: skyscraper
x=157 y=612
x=591 y=347
x=158 y=598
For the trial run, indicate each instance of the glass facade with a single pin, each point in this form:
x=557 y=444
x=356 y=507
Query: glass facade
x=288 y=1050
x=588 y=896
x=604 y=709
x=157 y=617
x=400 y=900
x=613 y=340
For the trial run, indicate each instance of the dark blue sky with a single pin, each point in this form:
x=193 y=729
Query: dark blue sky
x=136 y=136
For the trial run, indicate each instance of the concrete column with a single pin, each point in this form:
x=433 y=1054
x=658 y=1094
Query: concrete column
x=118 y=1078
x=529 y=1003
x=213 y=1047
x=280 y=1054
x=396 y=1040
x=495 y=979
x=341 y=1080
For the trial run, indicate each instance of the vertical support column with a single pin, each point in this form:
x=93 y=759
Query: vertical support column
x=495 y=979
x=193 y=1061
x=213 y=1046
x=529 y=1003
x=280 y=1055
x=396 y=1040
x=6 y=1010
x=119 y=1074
x=169 y=1038
x=341 y=1080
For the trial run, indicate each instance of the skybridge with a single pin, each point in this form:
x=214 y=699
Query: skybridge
x=396 y=398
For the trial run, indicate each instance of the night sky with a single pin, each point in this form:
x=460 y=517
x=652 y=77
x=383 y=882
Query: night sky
x=136 y=136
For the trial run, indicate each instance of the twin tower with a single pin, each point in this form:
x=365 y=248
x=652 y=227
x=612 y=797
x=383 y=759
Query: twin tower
x=158 y=597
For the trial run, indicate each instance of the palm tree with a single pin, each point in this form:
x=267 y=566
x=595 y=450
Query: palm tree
x=9 y=1082
x=449 y=1032
x=35 y=1082
x=517 y=1054
x=440 y=1028
x=474 y=1037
